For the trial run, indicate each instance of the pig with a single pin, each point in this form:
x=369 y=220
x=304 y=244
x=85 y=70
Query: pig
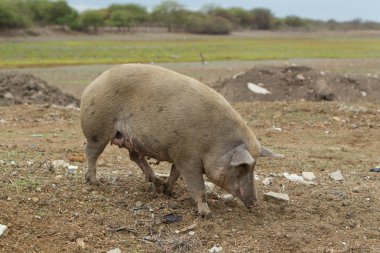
x=158 y=113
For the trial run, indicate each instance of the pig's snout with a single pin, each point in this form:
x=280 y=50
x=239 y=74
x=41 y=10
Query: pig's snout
x=247 y=197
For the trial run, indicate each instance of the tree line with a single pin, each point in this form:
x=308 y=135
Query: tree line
x=211 y=19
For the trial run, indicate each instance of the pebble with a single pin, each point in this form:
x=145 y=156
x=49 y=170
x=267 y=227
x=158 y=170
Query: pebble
x=80 y=242
x=72 y=169
x=138 y=204
x=58 y=177
x=228 y=197
x=277 y=197
x=336 y=176
x=29 y=163
x=116 y=250
x=356 y=189
x=309 y=176
x=267 y=181
x=3 y=230
x=215 y=249
x=191 y=233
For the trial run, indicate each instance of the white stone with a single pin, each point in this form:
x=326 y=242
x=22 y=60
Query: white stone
x=257 y=89
x=116 y=250
x=191 y=233
x=337 y=175
x=72 y=169
x=59 y=163
x=215 y=249
x=293 y=177
x=309 y=176
x=3 y=230
x=278 y=197
x=209 y=187
x=228 y=197
x=267 y=181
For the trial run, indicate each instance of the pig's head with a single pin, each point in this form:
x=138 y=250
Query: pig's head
x=235 y=175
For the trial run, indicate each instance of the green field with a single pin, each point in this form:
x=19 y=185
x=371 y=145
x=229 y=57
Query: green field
x=91 y=50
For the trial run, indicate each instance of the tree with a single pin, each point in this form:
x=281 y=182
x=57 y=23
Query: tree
x=92 y=19
x=60 y=13
x=242 y=16
x=170 y=13
x=126 y=15
x=120 y=19
x=11 y=17
x=262 y=18
x=38 y=10
x=294 y=21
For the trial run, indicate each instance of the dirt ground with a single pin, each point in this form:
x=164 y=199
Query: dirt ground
x=48 y=209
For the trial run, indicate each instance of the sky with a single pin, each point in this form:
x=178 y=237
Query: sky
x=340 y=10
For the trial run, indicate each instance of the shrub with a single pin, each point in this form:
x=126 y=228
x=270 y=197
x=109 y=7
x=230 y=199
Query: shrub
x=208 y=25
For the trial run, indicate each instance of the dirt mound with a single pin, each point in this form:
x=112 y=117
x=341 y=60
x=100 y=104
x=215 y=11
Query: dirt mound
x=19 y=88
x=299 y=82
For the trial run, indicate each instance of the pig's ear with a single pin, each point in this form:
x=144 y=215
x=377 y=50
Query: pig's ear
x=264 y=152
x=241 y=156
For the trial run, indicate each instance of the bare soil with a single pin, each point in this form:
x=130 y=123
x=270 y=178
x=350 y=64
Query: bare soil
x=299 y=82
x=50 y=210
x=21 y=88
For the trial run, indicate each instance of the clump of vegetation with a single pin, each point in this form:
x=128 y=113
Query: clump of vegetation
x=211 y=19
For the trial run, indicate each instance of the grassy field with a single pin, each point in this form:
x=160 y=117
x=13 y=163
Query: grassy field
x=122 y=49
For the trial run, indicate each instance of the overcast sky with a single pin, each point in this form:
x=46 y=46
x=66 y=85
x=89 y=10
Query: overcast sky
x=341 y=10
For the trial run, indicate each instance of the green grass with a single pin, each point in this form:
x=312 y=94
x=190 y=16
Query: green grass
x=89 y=51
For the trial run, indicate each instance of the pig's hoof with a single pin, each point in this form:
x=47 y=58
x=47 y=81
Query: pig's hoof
x=206 y=215
x=92 y=180
x=167 y=190
x=157 y=189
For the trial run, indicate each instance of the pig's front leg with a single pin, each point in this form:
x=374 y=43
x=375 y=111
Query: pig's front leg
x=170 y=181
x=193 y=175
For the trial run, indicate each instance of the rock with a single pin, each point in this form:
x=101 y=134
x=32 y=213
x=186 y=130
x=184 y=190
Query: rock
x=228 y=197
x=257 y=89
x=192 y=226
x=72 y=169
x=59 y=164
x=356 y=189
x=309 y=176
x=293 y=177
x=257 y=178
x=300 y=77
x=276 y=197
x=209 y=187
x=3 y=230
x=80 y=242
x=215 y=249
x=58 y=177
x=191 y=233
x=29 y=163
x=138 y=204
x=267 y=181
x=9 y=96
x=116 y=250
x=336 y=176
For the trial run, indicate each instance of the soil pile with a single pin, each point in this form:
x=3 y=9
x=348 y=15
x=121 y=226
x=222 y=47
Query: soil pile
x=19 y=88
x=299 y=82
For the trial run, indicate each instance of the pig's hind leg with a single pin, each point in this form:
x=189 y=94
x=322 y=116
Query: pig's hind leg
x=93 y=150
x=140 y=160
